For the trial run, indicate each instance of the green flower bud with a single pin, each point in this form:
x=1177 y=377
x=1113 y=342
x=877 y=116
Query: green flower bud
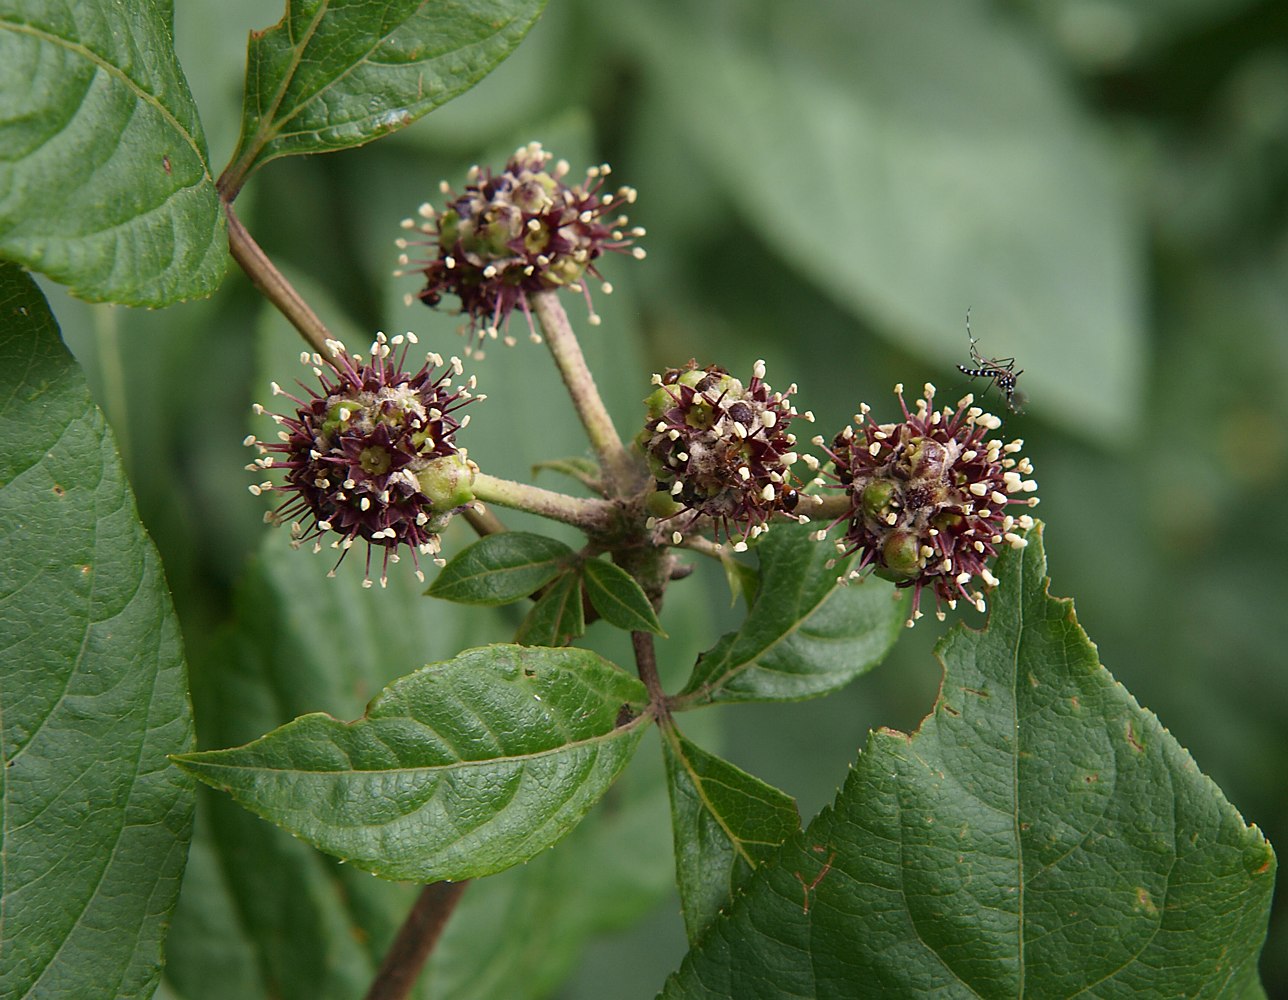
x=447 y=482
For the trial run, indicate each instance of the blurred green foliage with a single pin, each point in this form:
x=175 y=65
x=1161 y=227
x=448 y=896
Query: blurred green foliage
x=829 y=186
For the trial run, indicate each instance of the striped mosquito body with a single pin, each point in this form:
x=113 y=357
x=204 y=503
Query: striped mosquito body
x=999 y=371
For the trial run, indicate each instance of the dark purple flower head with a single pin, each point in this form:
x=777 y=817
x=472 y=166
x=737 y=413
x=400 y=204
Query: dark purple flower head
x=929 y=497
x=372 y=455
x=720 y=451
x=516 y=233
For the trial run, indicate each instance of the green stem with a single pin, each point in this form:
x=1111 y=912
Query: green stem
x=622 y=474
x=592 y=516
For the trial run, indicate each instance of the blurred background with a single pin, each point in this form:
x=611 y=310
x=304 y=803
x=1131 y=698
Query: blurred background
x=827 y=185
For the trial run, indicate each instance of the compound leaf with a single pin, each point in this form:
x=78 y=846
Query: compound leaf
x=805 y=634
x=461 y=769
x=93 y=692
x=105 y=183
x=1040 y=835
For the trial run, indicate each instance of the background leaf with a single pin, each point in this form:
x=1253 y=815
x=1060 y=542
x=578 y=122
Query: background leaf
x=558 y=617
x=500 y=568
x=338 y=73
x=618 y=598
x=1194 y=117
x=725 y=823
x=1041 y=834
x=461 y=769
x=585 y=470
x=805 y=634
x=104 y=179
x=956 y=168
x=92 y=688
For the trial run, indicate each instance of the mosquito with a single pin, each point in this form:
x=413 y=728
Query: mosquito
x=1000 y=371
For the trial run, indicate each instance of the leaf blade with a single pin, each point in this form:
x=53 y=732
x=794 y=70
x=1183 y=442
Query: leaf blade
x=618 y=598
x=964 y=161
x=805 y=634
x=357 y=72
x=1041 y=834
x=106 y=185
x=303 y=640
x=517 y=742
x=93 y=692
x=725 y=822
x=500 y=568
x=558 y=616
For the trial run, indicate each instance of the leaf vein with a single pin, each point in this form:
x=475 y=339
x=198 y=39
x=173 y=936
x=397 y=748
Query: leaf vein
x=115 y=71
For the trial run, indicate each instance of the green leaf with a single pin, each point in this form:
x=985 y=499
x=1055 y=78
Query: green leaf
x=618 y=598
x=805 y=635
x=263 y=915
x=585 y=470
x=1040 y=835
x=104 y=182
x=461 y=769
x=93 y=691
x=958 y=171
x=725 y=823
x=558 y=617
x=337 y=73
x=501 y=568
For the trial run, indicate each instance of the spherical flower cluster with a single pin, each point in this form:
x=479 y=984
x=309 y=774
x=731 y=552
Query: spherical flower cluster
x=720 y=451
x=371 y=456
x=516 y=233
x=929 y=497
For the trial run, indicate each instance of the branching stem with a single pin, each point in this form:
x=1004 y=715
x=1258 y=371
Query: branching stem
x=406 y=957
x=621 y=473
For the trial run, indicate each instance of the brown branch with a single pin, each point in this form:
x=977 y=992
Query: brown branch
x=646 y=665
x=269 y=280
x=406 y=957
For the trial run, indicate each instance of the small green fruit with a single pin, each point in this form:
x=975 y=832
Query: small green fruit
x=901 y=554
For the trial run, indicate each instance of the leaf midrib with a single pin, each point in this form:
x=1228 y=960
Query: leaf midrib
x=672 y=737
x=275 y=129
x=195 y=761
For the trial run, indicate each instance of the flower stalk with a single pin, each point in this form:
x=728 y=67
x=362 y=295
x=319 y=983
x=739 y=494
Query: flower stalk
x=622 y=474
x=265 y=276
x=592 y=516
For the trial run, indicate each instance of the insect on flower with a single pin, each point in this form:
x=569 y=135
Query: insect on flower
x=1000 y=371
